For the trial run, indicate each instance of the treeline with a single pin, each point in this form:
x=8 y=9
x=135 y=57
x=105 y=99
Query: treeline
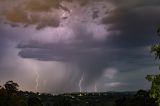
x=11 y=96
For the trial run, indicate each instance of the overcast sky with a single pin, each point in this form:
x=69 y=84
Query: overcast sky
x=59 y=46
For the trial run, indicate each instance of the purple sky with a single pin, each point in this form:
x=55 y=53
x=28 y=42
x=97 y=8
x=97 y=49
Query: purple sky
x=56 y=46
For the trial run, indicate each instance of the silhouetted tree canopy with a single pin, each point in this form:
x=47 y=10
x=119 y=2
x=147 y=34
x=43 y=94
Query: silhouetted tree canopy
x=11 y=86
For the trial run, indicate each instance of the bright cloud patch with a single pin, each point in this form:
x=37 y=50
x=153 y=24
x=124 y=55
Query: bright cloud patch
x=110 y=73
x=114 y=84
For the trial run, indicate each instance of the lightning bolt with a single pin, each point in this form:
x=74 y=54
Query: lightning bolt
x=37 y=79
x=80 y=82
x=34 y=67
x=95 y=87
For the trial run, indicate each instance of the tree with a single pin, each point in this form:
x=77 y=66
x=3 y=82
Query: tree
x=154 y=91
x=10 y=96
x=11 y=86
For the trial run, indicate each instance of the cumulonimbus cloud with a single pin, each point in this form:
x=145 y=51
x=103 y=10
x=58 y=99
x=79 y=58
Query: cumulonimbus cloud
x=93 y=37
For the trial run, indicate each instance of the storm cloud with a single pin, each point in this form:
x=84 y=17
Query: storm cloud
x=104 y=39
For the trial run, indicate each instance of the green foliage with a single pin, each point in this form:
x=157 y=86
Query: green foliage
x=155 y=87
x=155 y=79
x=156 y=50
